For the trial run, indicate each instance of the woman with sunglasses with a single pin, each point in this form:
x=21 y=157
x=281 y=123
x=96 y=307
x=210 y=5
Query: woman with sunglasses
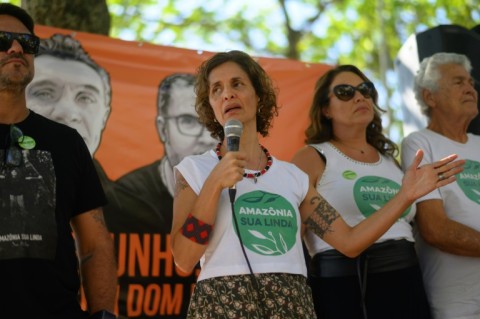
x=239 y=212
x=352 y=164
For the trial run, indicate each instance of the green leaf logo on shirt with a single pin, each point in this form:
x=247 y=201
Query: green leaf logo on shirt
x=267 y=223
x=469 y=180
x=372 y=192
x=348 y=174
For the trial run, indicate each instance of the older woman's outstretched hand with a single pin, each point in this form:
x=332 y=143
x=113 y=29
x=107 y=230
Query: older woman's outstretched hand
x=421 y=180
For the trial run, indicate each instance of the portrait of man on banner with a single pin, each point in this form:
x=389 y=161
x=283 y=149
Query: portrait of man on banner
x=142 y=214
x=69 y=87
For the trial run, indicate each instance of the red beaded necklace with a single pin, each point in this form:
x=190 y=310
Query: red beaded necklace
x=255 y=175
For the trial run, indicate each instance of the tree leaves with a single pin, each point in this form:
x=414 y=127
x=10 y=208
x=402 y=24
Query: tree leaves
x=368 y=34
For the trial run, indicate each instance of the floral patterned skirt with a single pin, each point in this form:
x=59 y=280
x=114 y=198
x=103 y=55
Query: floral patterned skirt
x=278 y=296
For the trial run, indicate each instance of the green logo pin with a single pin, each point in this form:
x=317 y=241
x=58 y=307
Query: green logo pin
x=26 y=142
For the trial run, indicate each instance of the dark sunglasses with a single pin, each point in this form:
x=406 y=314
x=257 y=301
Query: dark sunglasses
x=346 y=92
x=13 y=156
x=29 y=42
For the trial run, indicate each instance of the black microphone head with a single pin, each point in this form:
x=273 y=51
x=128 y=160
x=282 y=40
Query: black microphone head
x=233 y=130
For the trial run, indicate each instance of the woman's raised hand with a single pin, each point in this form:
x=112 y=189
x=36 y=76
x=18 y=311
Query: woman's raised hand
x=421 y=180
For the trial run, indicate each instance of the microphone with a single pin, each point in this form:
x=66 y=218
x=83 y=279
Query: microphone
x=233 y=130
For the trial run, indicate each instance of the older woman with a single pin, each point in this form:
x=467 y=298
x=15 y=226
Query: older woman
x=352 y=164
x=240 y=212
x=448 y=220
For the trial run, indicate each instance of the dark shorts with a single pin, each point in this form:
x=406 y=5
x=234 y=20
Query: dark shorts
x=385 y=282
x=278 y=296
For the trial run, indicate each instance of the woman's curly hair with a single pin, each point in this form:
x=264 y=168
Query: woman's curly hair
x=320 y=129
x=267 y=104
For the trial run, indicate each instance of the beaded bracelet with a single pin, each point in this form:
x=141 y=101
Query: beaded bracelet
x=196 y=230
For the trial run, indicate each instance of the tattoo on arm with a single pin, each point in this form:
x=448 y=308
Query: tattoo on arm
x=180 y=183
x=97 y=215
x=85 y=259
x=322 y=217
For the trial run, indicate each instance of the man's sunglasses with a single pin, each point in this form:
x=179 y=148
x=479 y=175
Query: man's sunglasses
x=29 y=42
x=13 y=156
x=346 y=92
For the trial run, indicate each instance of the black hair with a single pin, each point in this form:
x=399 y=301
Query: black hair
x=19 y=13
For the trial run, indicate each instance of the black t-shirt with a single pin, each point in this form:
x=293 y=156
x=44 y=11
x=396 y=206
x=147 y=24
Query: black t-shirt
x=56 y=181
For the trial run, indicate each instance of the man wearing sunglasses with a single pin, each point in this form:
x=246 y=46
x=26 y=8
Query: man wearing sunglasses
x=145 y=198
x=448 y=220
x=51 y=221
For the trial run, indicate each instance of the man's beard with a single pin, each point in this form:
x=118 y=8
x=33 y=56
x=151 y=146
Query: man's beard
x=14 y=81
x=18 y=86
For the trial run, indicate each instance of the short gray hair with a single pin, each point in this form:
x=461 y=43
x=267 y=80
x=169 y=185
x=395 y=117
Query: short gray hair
x=428 y=75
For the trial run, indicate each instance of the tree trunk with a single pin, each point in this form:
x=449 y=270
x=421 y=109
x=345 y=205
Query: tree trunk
x=82 y=15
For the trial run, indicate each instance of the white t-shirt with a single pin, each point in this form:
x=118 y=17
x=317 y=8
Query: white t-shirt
x=267 y=215
x=452 y=281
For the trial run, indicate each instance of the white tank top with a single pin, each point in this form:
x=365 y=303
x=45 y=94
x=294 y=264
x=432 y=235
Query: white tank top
x=357 y=190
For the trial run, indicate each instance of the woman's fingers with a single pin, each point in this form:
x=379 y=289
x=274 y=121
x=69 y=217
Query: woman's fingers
x=446 y=174
x=445 y=161
x=232 y=166
x=447 y=166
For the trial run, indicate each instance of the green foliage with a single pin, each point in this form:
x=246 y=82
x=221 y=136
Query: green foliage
x=368 y=34
x=336 y=31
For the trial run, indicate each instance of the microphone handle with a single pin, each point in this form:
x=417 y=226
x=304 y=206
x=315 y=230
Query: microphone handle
x=233 y=143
